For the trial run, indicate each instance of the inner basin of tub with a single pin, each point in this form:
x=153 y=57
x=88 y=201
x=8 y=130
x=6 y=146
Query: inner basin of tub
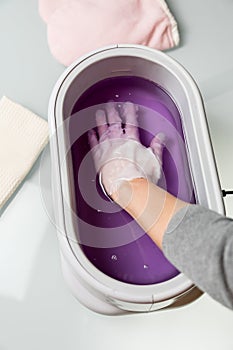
x=111 y=240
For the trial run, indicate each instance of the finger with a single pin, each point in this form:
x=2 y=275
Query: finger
x=113 y=115
x=101 y=122
x=129 y=111
x=92 y=138
x=157 y=144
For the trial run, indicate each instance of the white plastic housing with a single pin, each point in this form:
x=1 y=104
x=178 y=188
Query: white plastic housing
x=93 y=288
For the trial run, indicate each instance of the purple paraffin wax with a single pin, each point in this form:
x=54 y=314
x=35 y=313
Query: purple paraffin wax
x=109 y=237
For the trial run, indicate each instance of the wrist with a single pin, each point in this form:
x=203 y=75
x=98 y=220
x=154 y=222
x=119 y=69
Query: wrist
x=127 y=191
x=151 y=206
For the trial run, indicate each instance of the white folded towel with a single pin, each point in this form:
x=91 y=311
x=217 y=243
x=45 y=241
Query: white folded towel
x=23 y=135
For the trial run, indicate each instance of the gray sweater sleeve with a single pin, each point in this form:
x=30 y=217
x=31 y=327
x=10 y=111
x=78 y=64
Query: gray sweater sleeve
x=199 y=242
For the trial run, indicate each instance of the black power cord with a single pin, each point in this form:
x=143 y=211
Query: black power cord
x=225 y=193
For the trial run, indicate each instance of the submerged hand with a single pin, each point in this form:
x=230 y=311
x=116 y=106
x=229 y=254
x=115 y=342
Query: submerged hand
x=118 y=153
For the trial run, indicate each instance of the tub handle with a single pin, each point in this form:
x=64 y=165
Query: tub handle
x=226 y=192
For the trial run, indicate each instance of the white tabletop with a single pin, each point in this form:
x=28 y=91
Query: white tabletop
x=37 y=311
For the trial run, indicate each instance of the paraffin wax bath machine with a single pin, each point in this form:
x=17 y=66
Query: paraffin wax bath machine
x=110 y=264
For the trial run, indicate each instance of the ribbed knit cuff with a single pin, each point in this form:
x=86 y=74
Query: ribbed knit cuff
x=175 y=37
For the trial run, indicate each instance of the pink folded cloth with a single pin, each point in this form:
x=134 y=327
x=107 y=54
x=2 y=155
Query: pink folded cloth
x=75 y=27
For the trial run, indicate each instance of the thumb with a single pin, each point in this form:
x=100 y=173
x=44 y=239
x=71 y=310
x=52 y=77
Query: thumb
x=157 y=144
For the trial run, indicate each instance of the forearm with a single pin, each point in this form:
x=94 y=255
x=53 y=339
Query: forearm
x=151 y=206
x=198 y=241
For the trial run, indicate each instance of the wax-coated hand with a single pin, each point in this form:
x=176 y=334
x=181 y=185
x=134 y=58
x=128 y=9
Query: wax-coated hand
x=118 y=153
